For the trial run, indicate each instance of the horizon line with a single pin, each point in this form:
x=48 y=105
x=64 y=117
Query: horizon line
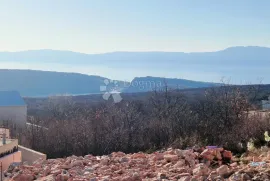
x=157 y=51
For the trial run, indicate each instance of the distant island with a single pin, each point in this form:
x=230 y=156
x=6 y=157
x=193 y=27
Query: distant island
x=33 y=83
x=242 y=65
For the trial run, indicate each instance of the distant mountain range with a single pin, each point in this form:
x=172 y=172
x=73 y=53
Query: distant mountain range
x=243 y=65
x=240 y=64
x=32 y=83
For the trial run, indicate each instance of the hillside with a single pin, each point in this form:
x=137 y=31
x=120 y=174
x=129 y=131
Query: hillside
x=31 y=83
x=44 y=83
x=145 y=84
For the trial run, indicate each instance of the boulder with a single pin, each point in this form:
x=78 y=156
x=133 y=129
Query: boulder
x=236 y=177
x=207 y=154
x=47 y=178
x=161 y=176
x=171 y=158
x=23 y=177
x=77 y=163
x=185 y=178
x=201 y=170
x=223 y=170
x=227 y=154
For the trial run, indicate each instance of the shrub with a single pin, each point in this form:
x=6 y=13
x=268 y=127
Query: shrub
x=219 y=117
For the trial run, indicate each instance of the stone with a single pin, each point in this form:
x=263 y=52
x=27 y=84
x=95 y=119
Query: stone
x=119 y=171
x=93 y=179
x=185 y=178
x=161 y=176
x=256 y=159
x=11 y=168
x=138 y=155
x=201 y=170
x=126 y=178
x=180 y=163
x=149 y=174
x=66 y=167
x=47 y=178
x=105 y=178
x=124 y=159
x=218 y=155
x=159 y=156
x=234 y=164
x=104 y=161
x=167 y=165
x=222 y=170
x=170 y=164
x=77 y=163
x=56 y=171
x=213 y=175
x=178 y=176
x=183 y=170
x=207 y=154
x=245 y=176
x=64 y=176
x=23 y=177
x=171 y=158
x=88 y=169
x=268 y=155
x=180 y=153
x=236 y=177
x=227 y=154
x=136 y=176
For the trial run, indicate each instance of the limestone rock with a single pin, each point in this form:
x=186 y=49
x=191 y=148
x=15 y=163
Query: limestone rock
x=171 y=158
x=222 y=170
x=201 y=170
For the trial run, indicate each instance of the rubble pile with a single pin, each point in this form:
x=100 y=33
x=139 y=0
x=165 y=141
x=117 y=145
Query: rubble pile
x=199 y=164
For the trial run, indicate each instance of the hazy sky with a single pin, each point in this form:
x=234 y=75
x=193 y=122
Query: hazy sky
x=95 y=26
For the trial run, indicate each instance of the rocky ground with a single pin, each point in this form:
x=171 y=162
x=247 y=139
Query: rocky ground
x=195 y=164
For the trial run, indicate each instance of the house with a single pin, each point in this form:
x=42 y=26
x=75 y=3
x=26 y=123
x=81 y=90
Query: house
x=9 y=151
x=13 y=109
x=266 y=104
x=13 y=153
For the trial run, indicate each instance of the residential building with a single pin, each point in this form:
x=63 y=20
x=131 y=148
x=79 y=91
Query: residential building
x=12 y=109
x=266 y=104
x=9 y=152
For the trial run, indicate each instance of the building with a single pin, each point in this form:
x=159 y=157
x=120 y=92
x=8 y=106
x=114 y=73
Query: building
x=5 y=132
x=12 y=153
x=9 y=150
x=266 y=104
x=13 y=109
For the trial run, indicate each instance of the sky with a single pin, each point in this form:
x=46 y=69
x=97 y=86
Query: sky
x=98 y=26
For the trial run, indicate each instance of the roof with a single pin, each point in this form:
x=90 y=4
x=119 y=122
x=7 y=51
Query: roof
x=11 y=98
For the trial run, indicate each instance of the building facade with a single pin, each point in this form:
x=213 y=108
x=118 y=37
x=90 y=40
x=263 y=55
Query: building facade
x=13 y=109
x=266 y=104
x=9 y=151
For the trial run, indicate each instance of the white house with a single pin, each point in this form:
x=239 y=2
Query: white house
x=12 y=108
x=266 y=104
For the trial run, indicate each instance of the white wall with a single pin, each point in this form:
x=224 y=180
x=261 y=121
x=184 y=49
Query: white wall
x=16 y=114
x=30 y=156
x=266 y=106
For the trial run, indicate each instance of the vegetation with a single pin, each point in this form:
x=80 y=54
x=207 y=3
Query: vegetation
x=167 y=118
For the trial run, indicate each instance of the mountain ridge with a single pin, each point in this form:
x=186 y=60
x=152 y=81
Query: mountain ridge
x=35 y=83
x=71 y=51
x=248 y=64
